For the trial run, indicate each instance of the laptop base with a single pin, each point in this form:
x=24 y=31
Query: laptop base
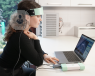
x=62 y=58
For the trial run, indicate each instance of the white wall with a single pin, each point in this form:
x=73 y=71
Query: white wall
x=73 y=16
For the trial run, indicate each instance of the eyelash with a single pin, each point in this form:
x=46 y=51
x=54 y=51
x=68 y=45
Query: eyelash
x=38 y=16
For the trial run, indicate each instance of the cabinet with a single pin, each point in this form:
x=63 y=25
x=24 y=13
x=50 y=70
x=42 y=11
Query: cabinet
x=83 y=3
x=89 y=31
x=54 y=2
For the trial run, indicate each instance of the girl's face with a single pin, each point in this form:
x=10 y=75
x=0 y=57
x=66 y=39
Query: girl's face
x=35 y=21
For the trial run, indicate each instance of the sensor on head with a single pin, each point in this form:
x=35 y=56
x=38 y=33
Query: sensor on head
x=20 y=22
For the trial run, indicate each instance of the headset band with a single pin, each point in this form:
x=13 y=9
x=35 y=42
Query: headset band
x=35 y=11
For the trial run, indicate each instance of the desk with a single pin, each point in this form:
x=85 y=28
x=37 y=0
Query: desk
x=88 y=71
x=65 y=43
x=58 y=72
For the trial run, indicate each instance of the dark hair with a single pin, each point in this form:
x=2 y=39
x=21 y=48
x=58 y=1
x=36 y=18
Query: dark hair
x=23 y=5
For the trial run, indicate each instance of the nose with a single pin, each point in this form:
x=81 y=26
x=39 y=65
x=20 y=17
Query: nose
x=40 y=19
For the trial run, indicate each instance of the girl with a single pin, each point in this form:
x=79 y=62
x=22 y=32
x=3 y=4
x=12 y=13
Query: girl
x=13 y=56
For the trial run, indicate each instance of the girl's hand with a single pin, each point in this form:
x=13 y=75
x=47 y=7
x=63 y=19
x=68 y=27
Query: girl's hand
x=49 y=59
x=31 y=35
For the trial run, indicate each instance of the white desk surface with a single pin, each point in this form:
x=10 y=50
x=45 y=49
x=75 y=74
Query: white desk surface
x=65 y=43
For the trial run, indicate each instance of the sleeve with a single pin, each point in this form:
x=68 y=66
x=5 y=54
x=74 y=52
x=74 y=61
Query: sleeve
x=44 y=53
x=35 y=56
x=35 y=45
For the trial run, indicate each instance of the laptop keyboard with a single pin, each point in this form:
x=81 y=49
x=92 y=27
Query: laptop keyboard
x=71 y=57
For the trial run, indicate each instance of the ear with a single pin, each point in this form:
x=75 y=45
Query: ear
x=27 y=17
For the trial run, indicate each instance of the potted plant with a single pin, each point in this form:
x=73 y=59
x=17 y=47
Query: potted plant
x=2 y=43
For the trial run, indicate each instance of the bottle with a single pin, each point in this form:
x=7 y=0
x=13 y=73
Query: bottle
x=3 y=28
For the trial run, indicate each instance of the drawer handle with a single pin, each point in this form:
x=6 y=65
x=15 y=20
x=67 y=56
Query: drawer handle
x=84 y=4
x=54 y=3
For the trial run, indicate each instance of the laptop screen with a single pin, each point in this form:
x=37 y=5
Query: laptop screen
x=83 y=47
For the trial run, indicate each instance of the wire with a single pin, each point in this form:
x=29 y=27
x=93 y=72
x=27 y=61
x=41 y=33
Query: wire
x=32 y=72
x=19 y=58
x=41 y=68
x=19 y=53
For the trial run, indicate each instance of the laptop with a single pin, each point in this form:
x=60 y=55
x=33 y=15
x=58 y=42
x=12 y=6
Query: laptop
x=80 y=52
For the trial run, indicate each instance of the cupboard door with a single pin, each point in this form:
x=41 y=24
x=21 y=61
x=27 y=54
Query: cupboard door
x=84 y=3
x=54 y=2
